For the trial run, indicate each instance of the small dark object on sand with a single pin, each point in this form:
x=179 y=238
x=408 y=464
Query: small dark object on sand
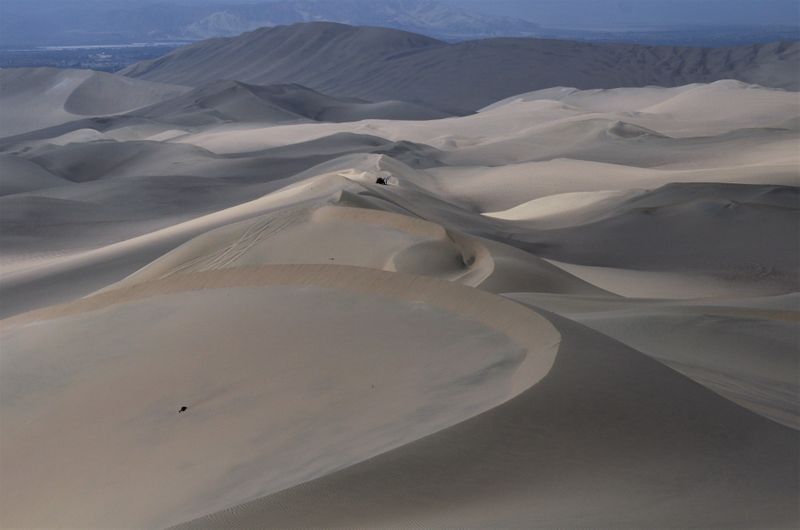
x=382 y=181
x=182 y=409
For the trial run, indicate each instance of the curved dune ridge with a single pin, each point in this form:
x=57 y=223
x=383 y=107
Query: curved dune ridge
x=339 y=234
x=59 y=96
x=608 y=438
x=360 y=361
x=564 y=208
x=241 y=306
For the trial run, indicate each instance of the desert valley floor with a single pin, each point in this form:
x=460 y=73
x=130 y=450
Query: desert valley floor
x=237 y=306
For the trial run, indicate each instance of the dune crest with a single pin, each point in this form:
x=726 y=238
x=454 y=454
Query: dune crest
x=60 y=96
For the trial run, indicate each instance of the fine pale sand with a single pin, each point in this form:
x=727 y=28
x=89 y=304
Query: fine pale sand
x=34 y=98
x=608 y=439
x=297 y=371
x=570 y=309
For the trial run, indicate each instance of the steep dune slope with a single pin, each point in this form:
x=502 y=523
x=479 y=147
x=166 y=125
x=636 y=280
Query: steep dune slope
x=742 y=348
x=609 y=438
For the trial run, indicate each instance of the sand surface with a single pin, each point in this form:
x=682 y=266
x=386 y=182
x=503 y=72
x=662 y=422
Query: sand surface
x=569 y=309
x=34 y=98
x=337 y=362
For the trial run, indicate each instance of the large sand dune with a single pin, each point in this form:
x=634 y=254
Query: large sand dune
x=33 y=98
x=569 y=309
x=608 y=439
x=380 y=64
x=234 y=101
x=350 y=383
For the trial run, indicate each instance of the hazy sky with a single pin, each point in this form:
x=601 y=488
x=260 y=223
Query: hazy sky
x=615 y=13
x=565 y=13
x=642 y=12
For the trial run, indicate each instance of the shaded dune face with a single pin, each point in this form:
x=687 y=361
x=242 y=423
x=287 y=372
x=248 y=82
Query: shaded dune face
x=531 y=460
x=232 y=101
x=242 y=306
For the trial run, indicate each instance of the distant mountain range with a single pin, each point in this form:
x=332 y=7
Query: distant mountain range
x=379 y=64
x=421 y=16
x=109 y=21
x=30 y=23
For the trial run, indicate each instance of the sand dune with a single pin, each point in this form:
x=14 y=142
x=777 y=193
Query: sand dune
x=336 y=235
x=736 y=105
x=59 y=96
x=225 y=101
x=744 y=349
x=379 y=64
x=349 y=388
x=552 y=457
x=734 y=218
x=672 y=285
x=521 y=130
x=18 y=175
x=571 y=308
x=145 y=185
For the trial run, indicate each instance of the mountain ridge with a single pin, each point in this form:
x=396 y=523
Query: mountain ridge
x=114 y=21
x=385 y=64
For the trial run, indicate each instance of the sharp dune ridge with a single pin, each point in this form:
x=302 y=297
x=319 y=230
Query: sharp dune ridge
x=279 y=291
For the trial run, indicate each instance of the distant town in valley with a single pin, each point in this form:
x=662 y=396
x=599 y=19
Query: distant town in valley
x=115 y=57
x=96 y=57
